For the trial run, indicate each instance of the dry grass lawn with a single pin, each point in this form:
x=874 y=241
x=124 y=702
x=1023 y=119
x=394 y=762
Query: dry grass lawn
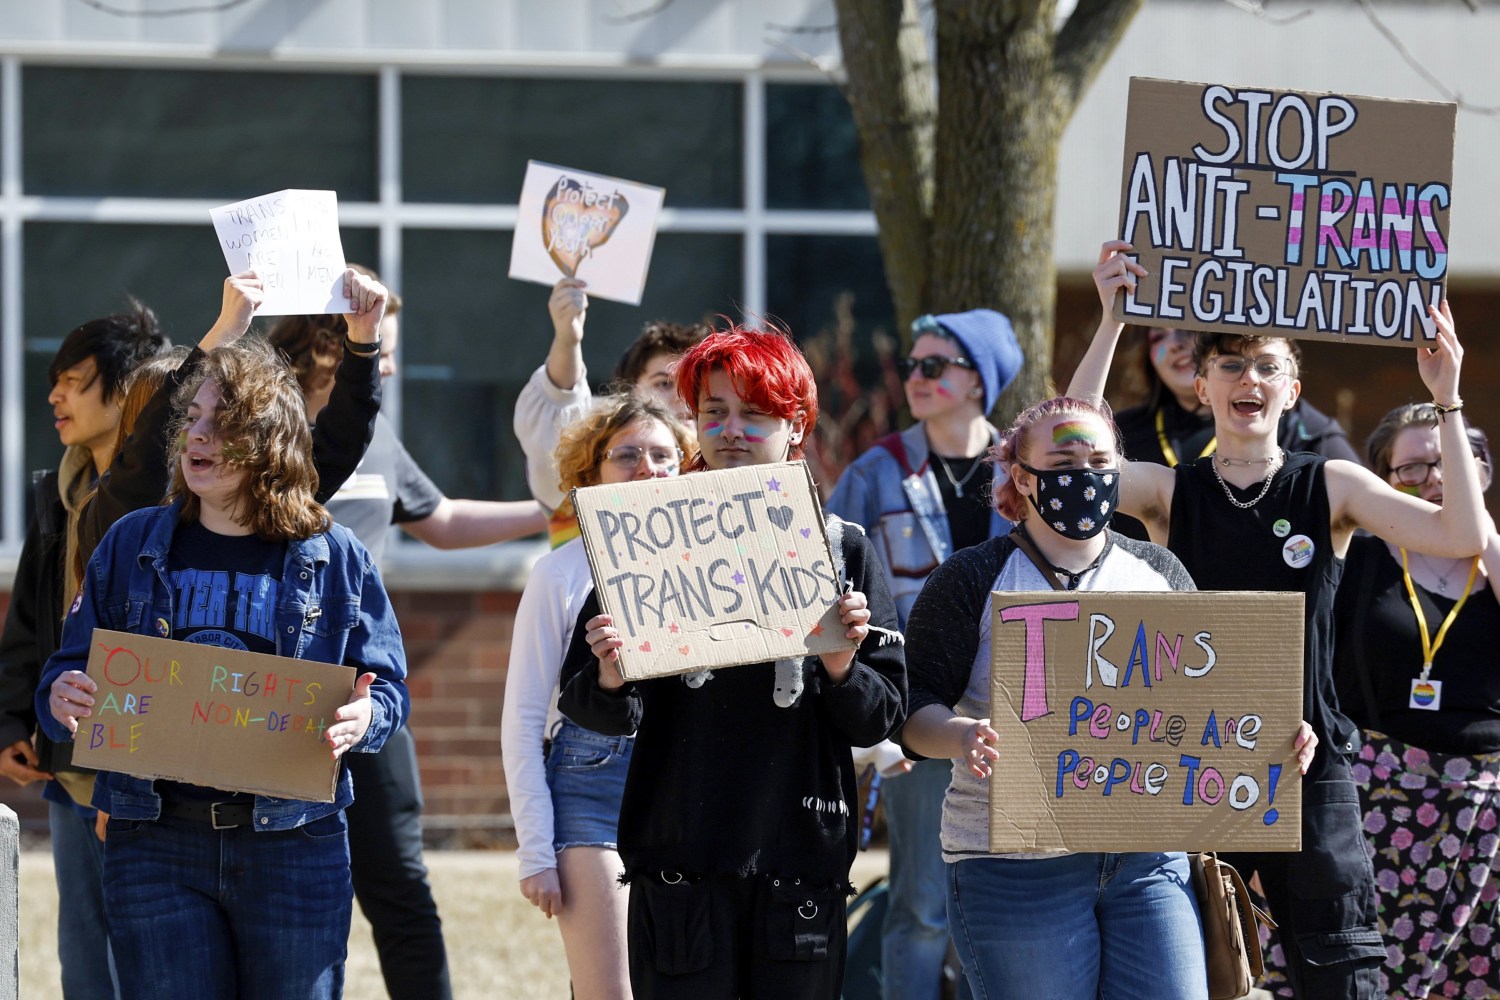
x=498 y=944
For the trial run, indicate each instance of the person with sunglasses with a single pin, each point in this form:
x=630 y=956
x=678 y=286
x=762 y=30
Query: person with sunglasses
x=1253 y=517
x=921 y=495
x=565 y=781
x=1174 y=426
x=1415 y=665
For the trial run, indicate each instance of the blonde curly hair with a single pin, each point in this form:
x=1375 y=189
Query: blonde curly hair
x=580 y=450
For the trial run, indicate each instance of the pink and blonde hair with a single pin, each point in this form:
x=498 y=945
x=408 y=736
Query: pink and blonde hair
x=1014 y=442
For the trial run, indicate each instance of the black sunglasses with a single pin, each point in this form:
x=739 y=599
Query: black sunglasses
x=932 y=366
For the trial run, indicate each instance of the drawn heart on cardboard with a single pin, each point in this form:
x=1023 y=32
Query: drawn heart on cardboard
x=577 y=219
x=787 y=632
x=780 y=516
x=806 y=532
x=644 y=647
x=684 y=650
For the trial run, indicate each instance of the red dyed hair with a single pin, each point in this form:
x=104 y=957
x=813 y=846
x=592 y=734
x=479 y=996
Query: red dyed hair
x=767 y=369
x=1013 y=443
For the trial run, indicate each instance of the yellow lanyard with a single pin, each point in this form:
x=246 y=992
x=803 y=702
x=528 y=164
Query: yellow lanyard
x=1166 y=446
x=1431 y=646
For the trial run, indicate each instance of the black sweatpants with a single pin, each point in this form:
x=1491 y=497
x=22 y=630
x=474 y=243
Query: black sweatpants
x=1323 y=896
x=723 y=937
x=390 y=879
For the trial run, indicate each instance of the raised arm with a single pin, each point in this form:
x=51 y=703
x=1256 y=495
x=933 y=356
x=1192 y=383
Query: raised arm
x=1461 y=526
x=346 y=425
x=568 y=307
x=466 y=524
x=1114 y=272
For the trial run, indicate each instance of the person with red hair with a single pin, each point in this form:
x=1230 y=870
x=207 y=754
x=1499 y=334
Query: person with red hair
x=738 y=887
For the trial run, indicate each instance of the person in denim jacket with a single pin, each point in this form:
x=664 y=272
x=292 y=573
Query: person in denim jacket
x=210 y=892
x=922 y=495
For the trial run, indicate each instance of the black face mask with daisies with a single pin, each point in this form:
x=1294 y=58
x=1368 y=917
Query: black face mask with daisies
x=1075 y=503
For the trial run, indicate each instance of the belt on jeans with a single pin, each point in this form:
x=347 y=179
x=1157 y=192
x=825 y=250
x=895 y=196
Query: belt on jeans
x=219 y=815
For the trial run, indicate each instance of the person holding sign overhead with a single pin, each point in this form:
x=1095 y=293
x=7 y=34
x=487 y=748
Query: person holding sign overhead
x=1061 y=925
x=922 y=495
x=740 y=815
x=565 y=782
x=210 y=892
x=1252 y=517
x=1173 y=426
x=1415 y=666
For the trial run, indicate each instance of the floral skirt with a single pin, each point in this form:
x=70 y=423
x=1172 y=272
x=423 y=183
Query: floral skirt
x=1432 y=823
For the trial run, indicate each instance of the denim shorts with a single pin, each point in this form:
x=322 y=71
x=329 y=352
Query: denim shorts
x=586 y=774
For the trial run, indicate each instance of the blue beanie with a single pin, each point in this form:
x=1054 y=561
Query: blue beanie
x=988 y=340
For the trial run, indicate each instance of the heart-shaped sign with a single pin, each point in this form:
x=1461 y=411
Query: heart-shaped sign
x=577 y=218
x=780 y=516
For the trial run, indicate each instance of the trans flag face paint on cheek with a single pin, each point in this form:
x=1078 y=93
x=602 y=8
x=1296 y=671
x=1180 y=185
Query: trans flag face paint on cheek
x=945 y=389
x=754 y=434
x=713 y=429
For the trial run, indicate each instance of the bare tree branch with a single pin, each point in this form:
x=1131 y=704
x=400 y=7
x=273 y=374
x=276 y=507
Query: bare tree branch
x=1416 y=64
x=1091 y=33
x=210 y=8
x=1258 y=8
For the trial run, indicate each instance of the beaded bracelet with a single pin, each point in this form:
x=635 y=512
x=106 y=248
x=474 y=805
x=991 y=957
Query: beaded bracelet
x=1443 y=411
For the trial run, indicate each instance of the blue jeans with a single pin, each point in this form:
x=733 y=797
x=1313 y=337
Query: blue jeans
x=914 y=938
x=1078 y=927
x=82 y=942
x=198 y=912
x=586 y=775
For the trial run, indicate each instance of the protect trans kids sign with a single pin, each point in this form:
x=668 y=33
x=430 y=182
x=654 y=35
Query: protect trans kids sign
x=1135 y=721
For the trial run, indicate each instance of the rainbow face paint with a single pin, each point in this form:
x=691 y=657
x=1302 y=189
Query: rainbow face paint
x=1411 y=491
x=1074 y=432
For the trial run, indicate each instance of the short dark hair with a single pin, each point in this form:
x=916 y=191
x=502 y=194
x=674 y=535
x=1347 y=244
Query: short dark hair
x=657 y=337
x=314 y=345
x=117 y=343
x=1210 y=344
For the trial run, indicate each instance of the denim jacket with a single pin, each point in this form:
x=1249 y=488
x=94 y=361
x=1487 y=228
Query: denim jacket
x=900 y=507
x=331 y=607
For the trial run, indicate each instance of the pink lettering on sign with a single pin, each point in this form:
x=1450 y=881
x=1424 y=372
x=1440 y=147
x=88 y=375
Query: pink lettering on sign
x=1034 y=686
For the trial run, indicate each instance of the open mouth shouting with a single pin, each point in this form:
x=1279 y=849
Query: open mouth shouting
x=1248 y=406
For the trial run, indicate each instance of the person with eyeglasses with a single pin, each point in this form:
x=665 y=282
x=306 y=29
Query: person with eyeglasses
x=740 y=818
x=1416 y=667
x=921 y=495
x=1172 y=425
x=1253 y=517
x=565 y=781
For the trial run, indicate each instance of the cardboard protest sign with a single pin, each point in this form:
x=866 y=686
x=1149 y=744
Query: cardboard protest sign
x=575 y=224
x=1135 y=721
x=1321 y=216
x=713 y=569
x=291 y=239
x=224 y=718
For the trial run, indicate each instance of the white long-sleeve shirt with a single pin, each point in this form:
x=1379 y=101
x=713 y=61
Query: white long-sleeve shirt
x=549 y=607
x=542 y=411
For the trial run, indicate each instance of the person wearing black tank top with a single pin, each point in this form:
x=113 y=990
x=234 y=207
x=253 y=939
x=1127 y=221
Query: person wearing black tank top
x=1252 y=517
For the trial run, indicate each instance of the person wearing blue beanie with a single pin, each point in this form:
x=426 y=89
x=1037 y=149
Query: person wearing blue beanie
x=921 y=495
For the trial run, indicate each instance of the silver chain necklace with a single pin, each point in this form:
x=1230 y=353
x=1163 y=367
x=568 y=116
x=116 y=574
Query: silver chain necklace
x=958 y=484
x=1264 y=489
x=1442 y=578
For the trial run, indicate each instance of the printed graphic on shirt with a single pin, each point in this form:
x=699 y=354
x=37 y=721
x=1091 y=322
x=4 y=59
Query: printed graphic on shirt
x=363 y=486
x=216 y=608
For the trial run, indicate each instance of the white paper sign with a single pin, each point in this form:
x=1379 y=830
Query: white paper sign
x=291 y=239
x=574 y=224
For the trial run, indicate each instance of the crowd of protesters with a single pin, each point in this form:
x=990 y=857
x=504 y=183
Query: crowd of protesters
x=263 y=459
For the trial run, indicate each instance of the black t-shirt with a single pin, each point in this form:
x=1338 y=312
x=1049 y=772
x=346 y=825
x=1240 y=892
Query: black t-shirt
x=1378 y=641
x=968 y=515
x=387 y=488
x=1284 y=543
x=224 y=592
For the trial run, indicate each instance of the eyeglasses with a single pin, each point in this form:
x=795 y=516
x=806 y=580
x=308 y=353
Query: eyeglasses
x=629 y=457
x=931 y=366
x=1417 y=473
x=1270 y=367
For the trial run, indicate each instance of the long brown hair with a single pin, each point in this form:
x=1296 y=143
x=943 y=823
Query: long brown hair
x=261 y=424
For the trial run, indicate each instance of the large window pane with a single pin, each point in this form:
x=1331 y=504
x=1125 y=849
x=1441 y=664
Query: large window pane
x=196 y=134
x=80 y=271
x=470 y=339
x=812 y=151
x=467 y=139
